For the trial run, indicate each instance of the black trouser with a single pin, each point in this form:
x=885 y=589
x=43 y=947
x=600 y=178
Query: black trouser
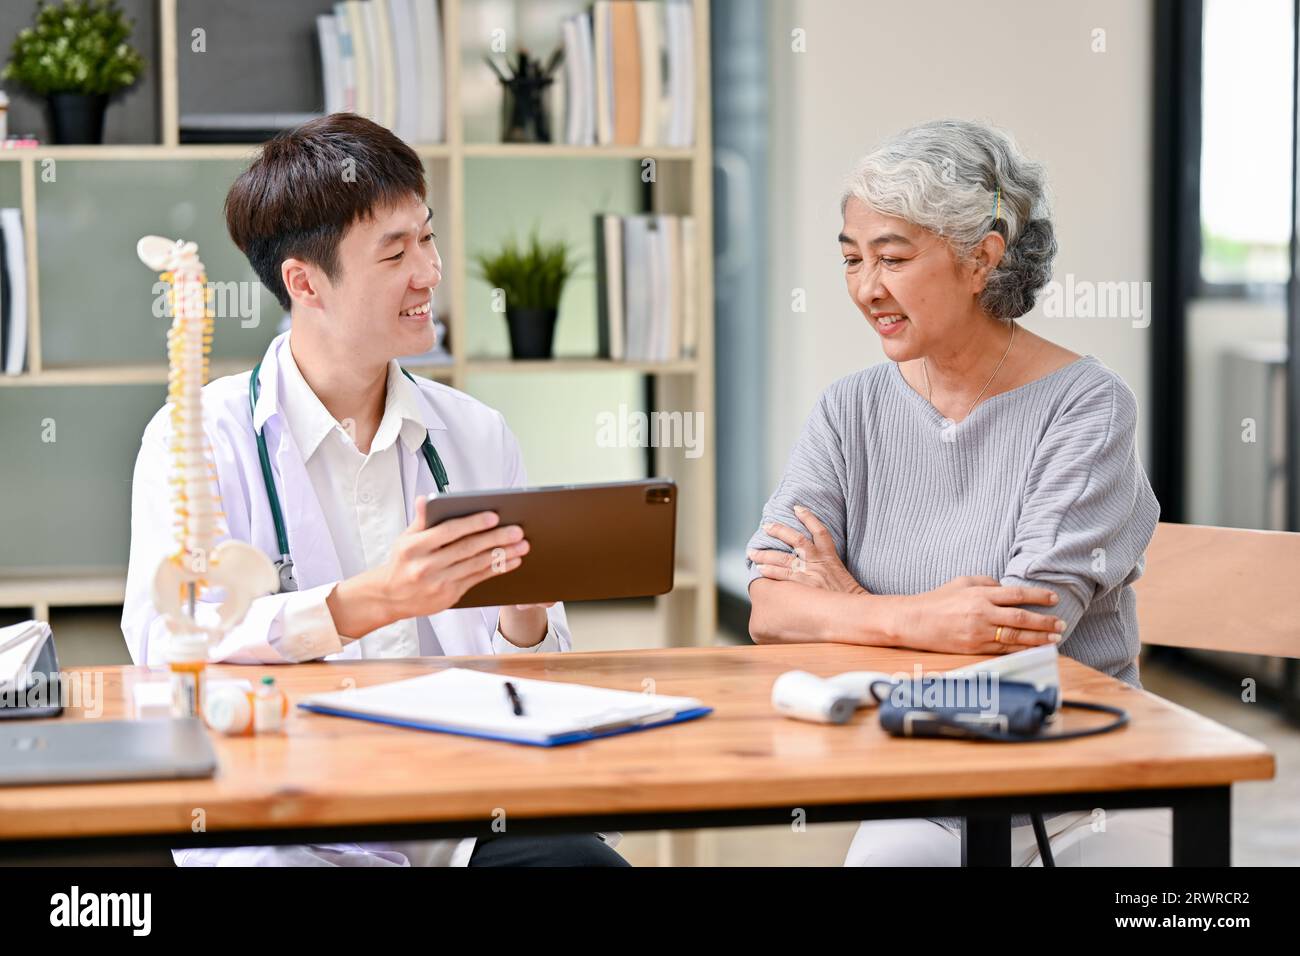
x=565 y=849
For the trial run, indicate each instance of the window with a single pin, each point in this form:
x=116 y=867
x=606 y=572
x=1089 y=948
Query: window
x=1246 y=129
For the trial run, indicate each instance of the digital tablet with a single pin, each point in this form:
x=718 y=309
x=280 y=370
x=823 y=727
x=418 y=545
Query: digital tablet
x=586 y=542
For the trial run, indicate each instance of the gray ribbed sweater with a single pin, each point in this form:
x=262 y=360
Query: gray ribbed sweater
x=1040 y=485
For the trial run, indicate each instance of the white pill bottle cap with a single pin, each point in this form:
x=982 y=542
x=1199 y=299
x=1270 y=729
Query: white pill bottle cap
x=228 y=711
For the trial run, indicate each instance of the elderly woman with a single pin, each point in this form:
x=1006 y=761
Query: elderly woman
x=978 y=493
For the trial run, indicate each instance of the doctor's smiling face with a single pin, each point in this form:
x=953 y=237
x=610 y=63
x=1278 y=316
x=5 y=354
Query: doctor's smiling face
x=907 y=282
x=379 y=303
x=333 y=219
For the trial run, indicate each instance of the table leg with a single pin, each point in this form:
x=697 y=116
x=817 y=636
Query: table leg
x=986 y=840
x=1203 y=827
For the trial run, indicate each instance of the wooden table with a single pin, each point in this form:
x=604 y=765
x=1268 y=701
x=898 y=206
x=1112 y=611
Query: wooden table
x=331 y=779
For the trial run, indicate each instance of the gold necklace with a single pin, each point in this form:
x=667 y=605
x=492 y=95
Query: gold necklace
x=928 y=391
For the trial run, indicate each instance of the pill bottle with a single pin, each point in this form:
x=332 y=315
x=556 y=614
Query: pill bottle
x=229 y=710
x=270 y=707
x=187 y=658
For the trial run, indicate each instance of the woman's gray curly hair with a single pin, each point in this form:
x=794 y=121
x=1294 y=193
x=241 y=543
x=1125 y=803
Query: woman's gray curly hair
x=944 y=176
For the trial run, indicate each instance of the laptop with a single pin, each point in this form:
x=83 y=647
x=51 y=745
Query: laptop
x=94 y=751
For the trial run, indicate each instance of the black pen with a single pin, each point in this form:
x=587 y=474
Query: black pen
x=515 y=701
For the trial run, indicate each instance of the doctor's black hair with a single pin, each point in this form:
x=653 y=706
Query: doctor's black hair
x=309 y=184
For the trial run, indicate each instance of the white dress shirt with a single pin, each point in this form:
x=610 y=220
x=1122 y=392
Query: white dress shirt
x=361 y=496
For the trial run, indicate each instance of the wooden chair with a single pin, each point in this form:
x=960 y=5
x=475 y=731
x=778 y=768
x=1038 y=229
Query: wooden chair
x=1221 y=589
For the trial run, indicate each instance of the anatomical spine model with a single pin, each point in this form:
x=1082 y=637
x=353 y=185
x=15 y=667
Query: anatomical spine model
x=239 y=569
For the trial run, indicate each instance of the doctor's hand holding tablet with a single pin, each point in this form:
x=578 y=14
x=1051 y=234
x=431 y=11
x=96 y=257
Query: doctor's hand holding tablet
x=588 y=542
x=430 y=570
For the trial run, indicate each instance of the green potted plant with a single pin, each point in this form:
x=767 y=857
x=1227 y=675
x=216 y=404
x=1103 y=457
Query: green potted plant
x=532 y=279
x=76 y=56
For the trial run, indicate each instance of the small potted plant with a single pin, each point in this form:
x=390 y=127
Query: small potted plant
x=76 y=56
x=532 y=279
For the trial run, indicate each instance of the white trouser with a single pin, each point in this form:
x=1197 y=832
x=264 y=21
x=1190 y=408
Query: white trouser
x=404 y=853
x=1087 y=838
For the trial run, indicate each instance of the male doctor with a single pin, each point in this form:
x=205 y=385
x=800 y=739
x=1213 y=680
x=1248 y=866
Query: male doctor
x=332 y=218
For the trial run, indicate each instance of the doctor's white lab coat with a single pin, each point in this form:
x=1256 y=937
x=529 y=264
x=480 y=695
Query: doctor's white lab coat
x=479 y=452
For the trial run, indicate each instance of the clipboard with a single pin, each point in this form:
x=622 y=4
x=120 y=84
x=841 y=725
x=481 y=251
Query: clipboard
x=559 y=740
x=471 y=703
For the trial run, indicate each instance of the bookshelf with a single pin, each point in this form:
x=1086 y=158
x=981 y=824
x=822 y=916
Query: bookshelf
x=686 y=616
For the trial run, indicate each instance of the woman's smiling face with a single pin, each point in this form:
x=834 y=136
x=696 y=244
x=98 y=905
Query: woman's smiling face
x=906 y=281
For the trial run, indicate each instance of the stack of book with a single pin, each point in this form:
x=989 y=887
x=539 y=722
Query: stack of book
x=629 y=74
x=646 y=287
x=383 y=60
x=13 y=292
